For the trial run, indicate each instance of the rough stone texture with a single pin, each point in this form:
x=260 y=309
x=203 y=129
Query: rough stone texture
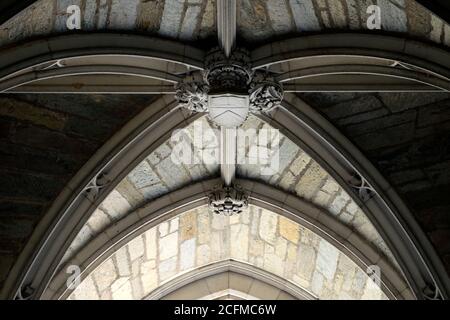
x=259 y=21
x=298 y=173
x=312 y=263
x=306 y=179
x=45 y=139
x=408 y=142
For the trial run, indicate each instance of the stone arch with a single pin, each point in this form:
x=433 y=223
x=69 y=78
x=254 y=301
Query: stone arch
x=257 y=237
x=422 y=277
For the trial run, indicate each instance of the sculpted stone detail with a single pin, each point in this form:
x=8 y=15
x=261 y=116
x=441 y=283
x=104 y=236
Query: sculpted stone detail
x=25 y=293
x=97 y=183
x=228 y=201
x=364 y=189
x=265 y=93
x=226 y=75
x=193 y=95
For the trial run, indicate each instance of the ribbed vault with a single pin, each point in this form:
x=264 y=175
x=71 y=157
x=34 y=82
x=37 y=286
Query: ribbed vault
x=86 y=181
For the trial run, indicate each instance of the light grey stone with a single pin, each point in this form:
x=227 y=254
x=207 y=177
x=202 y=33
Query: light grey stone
x=279 y=15
x=168 y=246
x=304 y=15
x=393 y=18
x=62 y=15
x=174 y=176
x=151 y=248
x=98 y=221
x=187 y=254
x=203 y=254
x=239 y=238
x=317 y=283
x=136 y=248
x=123 y=14
x=167 y=268
x=327 y=258
x=143 y=176
x=121 y=289
x=190 y=21
x=171 y=18
x=102 y=19
x=105 y=275
x=268 y=226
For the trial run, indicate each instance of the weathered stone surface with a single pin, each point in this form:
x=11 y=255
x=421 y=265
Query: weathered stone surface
x=310 y=262
x=171 y=18
x=143 y=176
x=115 y=205
x=289 y=229
x=151 y=248
x=87 y=290
x=136 y=248
x=190 y=22
x=203 y=254
x=122 y=262
x=188 y=225
x=304 y=15
x=279 y=15
x=393 y=16
x=187 y=254
x=239 y=237
x=168 y=246
x=121 y=289
x=123 y=14
x=327 y=257
x=105 y=275
x=268 y=227
x=98 y=221
x=167 y=268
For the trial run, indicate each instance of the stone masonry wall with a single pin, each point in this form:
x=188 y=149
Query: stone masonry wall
x=198 y=238
x=407 y=136
x=258 y=21
x=297 y=174
x=44 y=140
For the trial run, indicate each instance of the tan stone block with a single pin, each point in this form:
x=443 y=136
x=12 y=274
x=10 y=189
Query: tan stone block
x=289 y=229
x=188 y=225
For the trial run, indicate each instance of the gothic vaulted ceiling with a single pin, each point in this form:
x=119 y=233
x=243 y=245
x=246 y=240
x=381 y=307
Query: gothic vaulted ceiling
x=52 y=128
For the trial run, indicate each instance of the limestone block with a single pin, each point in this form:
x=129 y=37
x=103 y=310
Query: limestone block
x=188 y=225
x=105 y=275
x=239 y=238
x=136 y=248
x=149 y=276
x=122 y=262
x=121 y=289
x=187 y=254
x=167 y=268
x=115 y=205
x=98 y=221
x=150 y=243
x=268 y=226
x=327 y=257
x=289 y=229
x=168 y=246
x=203 y=254
x=86 y=290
